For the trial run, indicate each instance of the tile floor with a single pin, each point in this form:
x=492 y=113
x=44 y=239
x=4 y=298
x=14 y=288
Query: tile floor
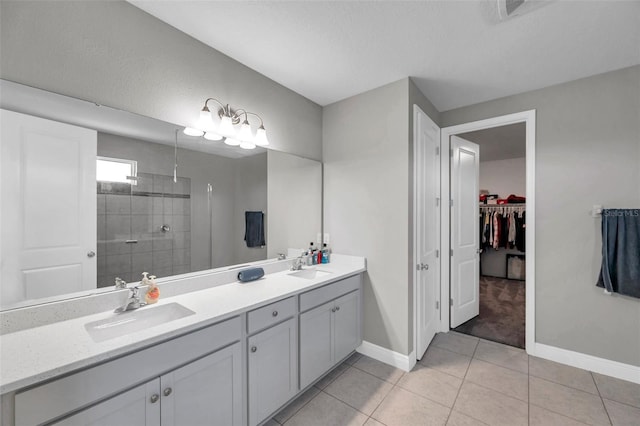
x=464 y=381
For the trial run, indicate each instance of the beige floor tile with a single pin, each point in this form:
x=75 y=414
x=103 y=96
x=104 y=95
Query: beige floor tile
x=379 y=369
x=360 y=390
x=325 y=410
x=432 y=384
x=490 y=406
x=622 y=414
x=373 y=422
x=287 y=412
x=618 y=390
x=332 y=375
x=353 y=358
x=446 y=361
x=458 y=419
x=538 y=416
x=503 y=355
x=403 y=408
x=509 y=382
x=563 y=374
x=574 y=403
x=456 y=342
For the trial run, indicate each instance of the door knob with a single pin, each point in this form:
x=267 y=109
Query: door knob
x=167 y=391
x=91 y=253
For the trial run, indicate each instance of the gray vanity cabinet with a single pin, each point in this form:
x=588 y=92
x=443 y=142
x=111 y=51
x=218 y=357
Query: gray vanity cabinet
x=328 y=334
x=205 y=392
x=273 y=369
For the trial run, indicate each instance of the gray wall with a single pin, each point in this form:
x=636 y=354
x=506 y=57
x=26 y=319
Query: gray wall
x=114 y=54
x=366 y=202
x=295 y=193
x=231 y=194
x=587 y=152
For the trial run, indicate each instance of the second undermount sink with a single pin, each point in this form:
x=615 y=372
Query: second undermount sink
x=131 y=321
x=309 y=274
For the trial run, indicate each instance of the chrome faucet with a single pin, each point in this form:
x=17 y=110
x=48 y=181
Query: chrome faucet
x=132 y=302
x=120 y=283
x=297 y=263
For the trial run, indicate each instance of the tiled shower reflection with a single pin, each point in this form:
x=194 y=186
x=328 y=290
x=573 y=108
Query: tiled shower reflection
x=143 y=227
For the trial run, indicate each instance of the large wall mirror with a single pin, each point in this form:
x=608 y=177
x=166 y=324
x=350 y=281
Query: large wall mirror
x=90 y=194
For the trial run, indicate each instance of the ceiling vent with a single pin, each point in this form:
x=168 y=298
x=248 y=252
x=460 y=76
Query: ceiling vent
x=509 y=8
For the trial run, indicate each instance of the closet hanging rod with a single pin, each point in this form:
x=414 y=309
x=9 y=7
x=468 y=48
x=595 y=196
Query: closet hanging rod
x=503 y=206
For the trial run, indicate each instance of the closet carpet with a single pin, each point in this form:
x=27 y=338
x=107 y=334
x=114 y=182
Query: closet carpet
x=502 y=312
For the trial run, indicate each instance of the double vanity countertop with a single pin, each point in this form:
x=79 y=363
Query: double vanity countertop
x=40 y=353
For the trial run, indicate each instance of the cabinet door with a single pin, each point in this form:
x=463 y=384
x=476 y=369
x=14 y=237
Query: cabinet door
x=346 y=325
x=139 y=406
x=315 y=343
x=205 y=392
x=273 y=369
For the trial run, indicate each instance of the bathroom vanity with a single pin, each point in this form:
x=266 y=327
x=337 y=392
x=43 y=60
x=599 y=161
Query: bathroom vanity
x=231 y=354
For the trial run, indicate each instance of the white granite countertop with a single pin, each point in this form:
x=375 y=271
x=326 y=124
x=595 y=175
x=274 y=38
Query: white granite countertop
x=36 y=354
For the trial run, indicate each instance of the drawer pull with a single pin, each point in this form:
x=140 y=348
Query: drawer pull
x=167 y=391
x=274 y=313
x=253 y=348
x=154 y=398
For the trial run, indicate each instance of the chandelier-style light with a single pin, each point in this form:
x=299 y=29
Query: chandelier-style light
x=227 y=129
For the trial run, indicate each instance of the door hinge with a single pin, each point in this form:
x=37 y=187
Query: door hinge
x=437 y=150
x=450 y=302
x=437 y=201
x=451 y=203
x=437 y=304
x=451 y=252
x=451 y=153
x=437 y=253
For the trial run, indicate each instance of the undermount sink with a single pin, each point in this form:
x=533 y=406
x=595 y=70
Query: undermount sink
x=132 y=321
x=309 y=274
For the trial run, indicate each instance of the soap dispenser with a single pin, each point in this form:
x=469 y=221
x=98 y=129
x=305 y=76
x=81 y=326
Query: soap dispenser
x=153 y=292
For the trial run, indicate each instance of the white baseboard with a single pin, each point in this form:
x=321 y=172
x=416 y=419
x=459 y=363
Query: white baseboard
x=604 y=366
x=395 y=359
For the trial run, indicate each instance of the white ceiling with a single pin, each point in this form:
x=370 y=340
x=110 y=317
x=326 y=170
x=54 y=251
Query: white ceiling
x=500 y=143
x=457 y=51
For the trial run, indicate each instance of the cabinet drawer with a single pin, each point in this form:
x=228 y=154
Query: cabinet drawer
x=53 y=399
x=271 y=314
x=321 y=295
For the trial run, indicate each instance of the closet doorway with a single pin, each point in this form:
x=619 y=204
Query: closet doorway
x=490 y=229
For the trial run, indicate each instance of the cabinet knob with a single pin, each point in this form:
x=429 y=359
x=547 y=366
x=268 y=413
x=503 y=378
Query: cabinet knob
x=91 y=253
x=274 y=313
x=154 y=398
x=167 y=391
x=337 y=308
x=333 y=309
x=253 y=348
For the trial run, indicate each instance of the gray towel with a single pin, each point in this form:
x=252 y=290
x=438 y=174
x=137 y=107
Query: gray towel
x=620 y=271
x=254 y=229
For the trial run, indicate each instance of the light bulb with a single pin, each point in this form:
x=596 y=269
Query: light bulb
x=211 y=136
x=232 y=142
x=245 y=133
x=261 y=137
x=226 y=127
x=190 y=131
x=247 y=145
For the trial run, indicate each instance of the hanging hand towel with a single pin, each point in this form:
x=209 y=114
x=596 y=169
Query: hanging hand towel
x=620 y=271
x=254 y=229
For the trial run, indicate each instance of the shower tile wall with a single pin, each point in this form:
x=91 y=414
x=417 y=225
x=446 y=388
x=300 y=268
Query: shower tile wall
x=139 y=212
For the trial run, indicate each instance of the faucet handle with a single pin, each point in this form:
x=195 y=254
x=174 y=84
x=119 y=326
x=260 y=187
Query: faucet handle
x=134 y=291
x=120 y=283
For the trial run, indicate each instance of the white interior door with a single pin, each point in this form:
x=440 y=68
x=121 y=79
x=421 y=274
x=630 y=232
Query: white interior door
x=48 y=212
x=427 y=190
x=465 y=260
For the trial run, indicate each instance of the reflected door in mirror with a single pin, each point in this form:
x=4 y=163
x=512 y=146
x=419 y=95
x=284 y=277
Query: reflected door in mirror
x=48 y=200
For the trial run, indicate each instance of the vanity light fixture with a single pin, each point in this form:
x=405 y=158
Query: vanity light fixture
x=226 y=127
